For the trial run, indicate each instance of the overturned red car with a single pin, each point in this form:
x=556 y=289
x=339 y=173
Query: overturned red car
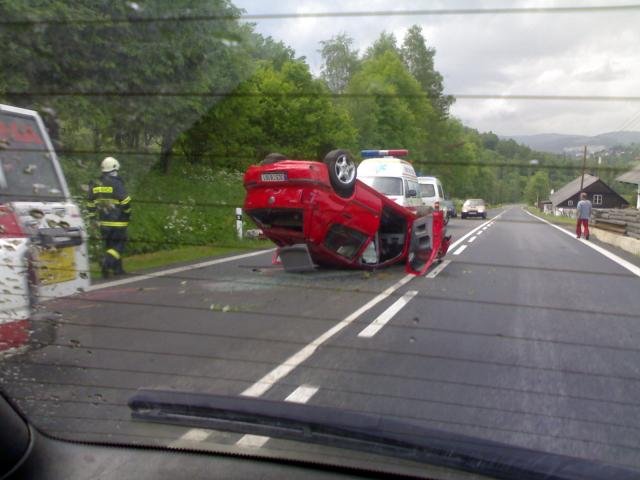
x=319 y=213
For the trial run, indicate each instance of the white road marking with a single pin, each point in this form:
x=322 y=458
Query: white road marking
x=480 y=232
x=282 y=370
x=460 y=250
x=195 y=435
x=252 y=441
x=472 y=239
x=611 y=256
x=173 y=271
x=302 y=394
x=468 y=234
x=439 y=269
x=387 y=315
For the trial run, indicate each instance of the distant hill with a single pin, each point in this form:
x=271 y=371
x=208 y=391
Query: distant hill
x=558 y=143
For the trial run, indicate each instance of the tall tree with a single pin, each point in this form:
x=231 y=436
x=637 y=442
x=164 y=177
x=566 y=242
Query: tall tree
x=419 y=59
x=537 y=187
x=386 y=42
x=277 y=110
x=115 y=68
x=388 y=107
x=340 y=62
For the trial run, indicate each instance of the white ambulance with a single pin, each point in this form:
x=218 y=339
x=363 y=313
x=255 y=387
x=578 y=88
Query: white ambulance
x=43 y=246
x=391 y=176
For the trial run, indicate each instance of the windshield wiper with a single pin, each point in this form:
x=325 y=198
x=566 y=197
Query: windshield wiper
x=365 y=432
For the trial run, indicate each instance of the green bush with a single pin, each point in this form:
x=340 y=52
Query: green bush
x=191 y=205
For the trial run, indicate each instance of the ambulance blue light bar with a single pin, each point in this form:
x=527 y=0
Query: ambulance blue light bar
x=384 y=153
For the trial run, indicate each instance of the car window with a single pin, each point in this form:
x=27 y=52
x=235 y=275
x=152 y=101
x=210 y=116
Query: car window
x=411 y=185
x=427 y=190
x=27 y=171
x=214 y=268
x=385 y=185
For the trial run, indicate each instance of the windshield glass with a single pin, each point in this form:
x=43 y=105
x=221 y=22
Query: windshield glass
x=427 y=190
x=26 y=168
x=385 y=185
x=216 y=267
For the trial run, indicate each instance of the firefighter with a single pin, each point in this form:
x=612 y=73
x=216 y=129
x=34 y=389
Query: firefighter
x=110 y=204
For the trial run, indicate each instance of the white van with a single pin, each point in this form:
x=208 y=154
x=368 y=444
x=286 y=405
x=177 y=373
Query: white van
x=431 y=191
x=43 y=243
x=391 y=176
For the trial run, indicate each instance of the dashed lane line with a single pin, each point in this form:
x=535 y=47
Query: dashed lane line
x=302 y=394
x=267 y=381
x=387 y=315
x=434 y=273
x=460 y=250
x=282 y=370
x=473 y=239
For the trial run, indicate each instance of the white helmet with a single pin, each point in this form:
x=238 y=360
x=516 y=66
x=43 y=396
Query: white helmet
x=110 y=164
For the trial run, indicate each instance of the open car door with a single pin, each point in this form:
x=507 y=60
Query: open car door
x=429 y=243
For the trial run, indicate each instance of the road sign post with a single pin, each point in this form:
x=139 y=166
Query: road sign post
x=239 y=222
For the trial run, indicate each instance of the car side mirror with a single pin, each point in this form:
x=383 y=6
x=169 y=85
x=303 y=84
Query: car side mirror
x=412 y=193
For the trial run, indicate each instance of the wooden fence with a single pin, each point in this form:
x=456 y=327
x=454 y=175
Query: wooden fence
x=624 y=222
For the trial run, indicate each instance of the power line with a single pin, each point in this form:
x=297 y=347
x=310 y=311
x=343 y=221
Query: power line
x=213 y=94
x=135 y=18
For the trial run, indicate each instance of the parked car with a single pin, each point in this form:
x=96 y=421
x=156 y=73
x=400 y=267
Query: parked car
x=473 y=207
x=449 y=208
x=431 y=191
x=42 y=236
x=319 y=213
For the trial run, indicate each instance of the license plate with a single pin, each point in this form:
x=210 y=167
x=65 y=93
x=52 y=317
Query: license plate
x=274 y=177
x=57 y=265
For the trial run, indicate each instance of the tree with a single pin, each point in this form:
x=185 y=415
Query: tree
x=386 y=42
x=126 y=76
x=537 y=187
x=419 y=61
x=277 y=110
x=387 y=105
x=340 y=62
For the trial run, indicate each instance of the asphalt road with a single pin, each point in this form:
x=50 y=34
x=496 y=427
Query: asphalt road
x=525 y=336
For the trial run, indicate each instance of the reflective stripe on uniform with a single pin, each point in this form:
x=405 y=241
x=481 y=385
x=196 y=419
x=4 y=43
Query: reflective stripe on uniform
x=114 y=253
x=125 y=200
x=102 y=189
x=113 y=224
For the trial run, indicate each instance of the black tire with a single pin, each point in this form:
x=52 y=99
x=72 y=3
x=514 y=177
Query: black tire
x=462 y=216
x=484 y=215
x=342 y=171
x=273 y=158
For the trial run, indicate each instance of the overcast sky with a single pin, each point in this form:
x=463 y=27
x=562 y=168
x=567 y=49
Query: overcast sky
x=586 y=54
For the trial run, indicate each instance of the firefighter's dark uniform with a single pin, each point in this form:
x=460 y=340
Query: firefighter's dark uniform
x=110 y=204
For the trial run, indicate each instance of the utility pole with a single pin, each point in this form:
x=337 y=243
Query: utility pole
x=584 y=166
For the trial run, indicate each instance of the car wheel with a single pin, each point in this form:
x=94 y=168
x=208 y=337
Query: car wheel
x=462 y=217
x=273 y=158
x=484 y=215
x=342 y=171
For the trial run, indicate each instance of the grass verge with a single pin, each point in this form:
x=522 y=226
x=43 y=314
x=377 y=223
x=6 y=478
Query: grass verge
x=551 y=218
x=164 y=258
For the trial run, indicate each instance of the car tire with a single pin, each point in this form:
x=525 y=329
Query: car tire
x=484 y=215
x=342 y=171
x=273 y=158
x=462 y=216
